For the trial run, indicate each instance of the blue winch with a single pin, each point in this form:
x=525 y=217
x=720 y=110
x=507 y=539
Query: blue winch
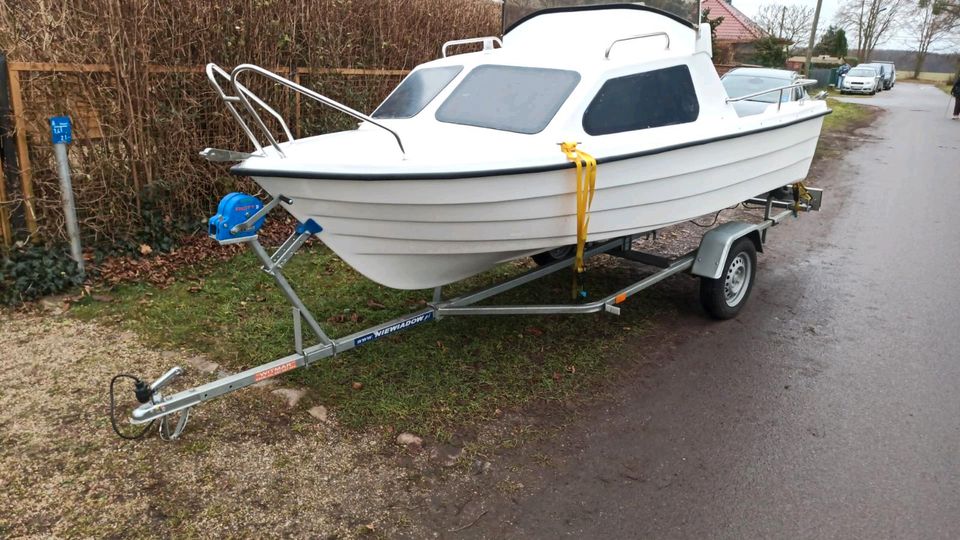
x=234 y=210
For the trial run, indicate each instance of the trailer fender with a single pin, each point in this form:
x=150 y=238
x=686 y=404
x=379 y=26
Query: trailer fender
x=715 y=245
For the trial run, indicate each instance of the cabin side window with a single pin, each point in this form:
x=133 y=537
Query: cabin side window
x=508 y=98
x=664 y=97
x=416 y=91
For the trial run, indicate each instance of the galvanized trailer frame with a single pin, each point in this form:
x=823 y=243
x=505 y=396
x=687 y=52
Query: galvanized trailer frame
x=707 y=261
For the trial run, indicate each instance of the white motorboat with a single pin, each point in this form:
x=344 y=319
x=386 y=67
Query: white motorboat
x=460 y=168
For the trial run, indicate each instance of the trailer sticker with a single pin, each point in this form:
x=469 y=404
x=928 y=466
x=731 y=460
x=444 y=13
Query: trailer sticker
x=274 y=371
x=377 y=334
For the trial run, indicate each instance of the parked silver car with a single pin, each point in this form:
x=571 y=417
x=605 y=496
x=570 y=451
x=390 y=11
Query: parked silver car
x=886 y=77
x=890 y=78
x=862 y=80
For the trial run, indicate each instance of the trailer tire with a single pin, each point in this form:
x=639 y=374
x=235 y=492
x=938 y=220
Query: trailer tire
x=553 y=255
x=724 y=297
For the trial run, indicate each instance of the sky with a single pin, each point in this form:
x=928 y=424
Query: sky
x=827 y=13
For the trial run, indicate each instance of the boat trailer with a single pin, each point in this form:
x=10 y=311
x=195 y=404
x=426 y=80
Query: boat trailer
x=725 y=261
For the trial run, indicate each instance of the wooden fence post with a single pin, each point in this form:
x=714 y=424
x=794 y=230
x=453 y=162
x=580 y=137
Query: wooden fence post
x=23 y=151
x=8 y=158
x=296 y=103
x=6 y=228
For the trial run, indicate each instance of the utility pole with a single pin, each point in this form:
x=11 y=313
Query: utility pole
x=860 y=29
x=813 y=36
x=783 y=18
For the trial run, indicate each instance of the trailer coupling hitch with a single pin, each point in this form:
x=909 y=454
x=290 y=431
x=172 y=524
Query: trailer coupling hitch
x=144 y=393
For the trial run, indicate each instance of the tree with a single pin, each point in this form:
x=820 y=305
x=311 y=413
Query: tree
x=932 y=21
x=871 y=21
x=833 y=42
x=714 y=23
x=788 y=22
x=770 y=52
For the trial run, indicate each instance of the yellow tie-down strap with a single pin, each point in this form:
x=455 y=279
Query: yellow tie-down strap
x=800 y=195
x=586 y=184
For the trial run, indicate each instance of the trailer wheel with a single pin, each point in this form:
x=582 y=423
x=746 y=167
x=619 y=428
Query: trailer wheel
x=552 y=256
x=725 y=296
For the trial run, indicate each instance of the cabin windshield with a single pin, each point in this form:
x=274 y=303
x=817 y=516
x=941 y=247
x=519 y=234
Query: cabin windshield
x=508 y=98
x=743 y=85
x=862 y=72
x=416 y=91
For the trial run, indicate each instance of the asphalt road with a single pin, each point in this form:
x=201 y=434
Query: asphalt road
x=829 y=409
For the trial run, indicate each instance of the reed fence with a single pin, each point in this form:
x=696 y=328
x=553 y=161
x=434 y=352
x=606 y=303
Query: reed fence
x=164 y=159
x=130 y=75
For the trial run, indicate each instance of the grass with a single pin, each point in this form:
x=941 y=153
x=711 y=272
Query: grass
x=924 y=76
x=429 y=379
x=844 y=115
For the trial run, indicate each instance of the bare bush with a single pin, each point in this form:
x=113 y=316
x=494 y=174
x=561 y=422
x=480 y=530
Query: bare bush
x=791 y=23
x=135 y=161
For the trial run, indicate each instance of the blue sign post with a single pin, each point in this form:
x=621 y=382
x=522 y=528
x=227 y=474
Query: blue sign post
x=60 y=129
x=61 y=134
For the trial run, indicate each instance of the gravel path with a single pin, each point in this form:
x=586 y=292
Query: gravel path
x=247 y=463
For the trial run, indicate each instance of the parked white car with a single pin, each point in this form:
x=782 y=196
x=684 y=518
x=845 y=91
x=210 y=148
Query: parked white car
x=861 y=80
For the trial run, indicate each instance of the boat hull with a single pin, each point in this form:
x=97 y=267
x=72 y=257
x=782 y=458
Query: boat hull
x=423 y=233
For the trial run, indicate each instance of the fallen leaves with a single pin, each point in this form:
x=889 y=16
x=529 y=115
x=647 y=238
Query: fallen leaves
x=157 y=268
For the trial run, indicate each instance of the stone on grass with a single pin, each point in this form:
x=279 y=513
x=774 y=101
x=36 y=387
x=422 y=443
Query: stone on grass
x=319 y=412
x=409 y=440
x=480 y=467
x=202 y=365
x=447 y=454
x=292 y=396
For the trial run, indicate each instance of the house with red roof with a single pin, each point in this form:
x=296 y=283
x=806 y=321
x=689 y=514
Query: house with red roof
x=736 y=33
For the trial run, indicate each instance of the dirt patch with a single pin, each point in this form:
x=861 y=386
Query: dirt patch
x=246 y=463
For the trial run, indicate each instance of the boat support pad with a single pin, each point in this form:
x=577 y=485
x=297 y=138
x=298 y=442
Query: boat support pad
x=714 y=246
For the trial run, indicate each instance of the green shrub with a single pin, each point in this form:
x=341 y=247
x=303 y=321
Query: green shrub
x=29 y=272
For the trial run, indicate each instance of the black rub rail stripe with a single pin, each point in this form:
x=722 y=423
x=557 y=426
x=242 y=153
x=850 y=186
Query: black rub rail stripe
x=599 y=7
x=247 y=171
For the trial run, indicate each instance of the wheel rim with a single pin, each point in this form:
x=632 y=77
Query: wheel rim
x=559 y=253
x=737 y=281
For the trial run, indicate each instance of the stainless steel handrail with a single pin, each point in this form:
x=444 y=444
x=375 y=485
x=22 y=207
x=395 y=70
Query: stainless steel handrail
x=212 y=71
x=244 y=93
x=799 y=84
x=245 y=96
x=606 y=55
x=487 y=41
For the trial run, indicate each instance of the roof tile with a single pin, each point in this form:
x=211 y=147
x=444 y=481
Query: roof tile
x=736 y=27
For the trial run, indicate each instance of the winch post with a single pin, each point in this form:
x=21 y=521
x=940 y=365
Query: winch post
x=252 y=220
x=239 y=218
x=270 y=268
x=297 y=331
x=294 y=242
